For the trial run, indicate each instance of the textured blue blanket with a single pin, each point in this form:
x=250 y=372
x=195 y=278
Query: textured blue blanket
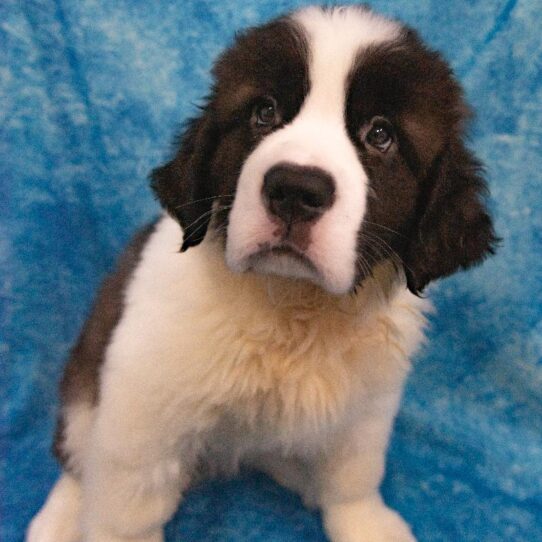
x=90 y=95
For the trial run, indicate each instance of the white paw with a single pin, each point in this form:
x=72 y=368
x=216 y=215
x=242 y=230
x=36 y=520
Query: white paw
x=47 y=527
x=155 y=536
x=368 y=520
x=58 y=520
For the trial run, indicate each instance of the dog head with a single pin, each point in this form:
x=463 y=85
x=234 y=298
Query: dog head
x=331 y=141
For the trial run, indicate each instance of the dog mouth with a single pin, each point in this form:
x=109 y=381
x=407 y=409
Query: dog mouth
x=284 y=259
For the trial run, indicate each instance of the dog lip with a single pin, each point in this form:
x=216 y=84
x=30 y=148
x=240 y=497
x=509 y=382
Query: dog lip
x=283 y=249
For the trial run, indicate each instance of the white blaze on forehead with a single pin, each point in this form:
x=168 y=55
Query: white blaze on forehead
x=335 y=37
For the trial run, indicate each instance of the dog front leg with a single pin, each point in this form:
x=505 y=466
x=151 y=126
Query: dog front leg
x=350 y=476
x=126 y=502
x=135 y=470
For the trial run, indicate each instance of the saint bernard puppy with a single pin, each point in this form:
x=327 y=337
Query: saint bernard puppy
x=323 y=186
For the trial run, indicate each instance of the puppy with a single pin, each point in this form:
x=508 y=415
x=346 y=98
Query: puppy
x=323 y=186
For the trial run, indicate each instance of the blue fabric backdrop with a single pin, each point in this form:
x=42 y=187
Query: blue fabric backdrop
x=91 y=93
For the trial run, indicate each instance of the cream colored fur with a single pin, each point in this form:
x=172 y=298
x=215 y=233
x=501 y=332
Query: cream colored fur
x=208 y=366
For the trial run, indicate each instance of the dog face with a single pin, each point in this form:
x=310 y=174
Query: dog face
x=332 y=140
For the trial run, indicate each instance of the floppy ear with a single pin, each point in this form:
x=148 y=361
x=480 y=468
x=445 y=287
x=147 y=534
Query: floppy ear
x=454 y=230
x=184 y=186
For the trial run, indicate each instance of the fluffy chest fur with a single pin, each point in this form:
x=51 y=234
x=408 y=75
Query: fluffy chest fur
x=277 y=359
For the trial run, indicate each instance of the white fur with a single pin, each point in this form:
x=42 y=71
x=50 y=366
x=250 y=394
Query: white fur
x=365 y=520
x=59 y=519
x=316 y=137
x=80 y=419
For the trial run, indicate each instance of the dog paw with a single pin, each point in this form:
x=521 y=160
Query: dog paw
x=46 y=527
x=155 y=536
x=368 y=520
x=58 y=520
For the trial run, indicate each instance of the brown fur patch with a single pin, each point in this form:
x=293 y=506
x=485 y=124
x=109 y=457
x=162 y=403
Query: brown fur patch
x=80 y=381
x=414 y=89
x=270 y=60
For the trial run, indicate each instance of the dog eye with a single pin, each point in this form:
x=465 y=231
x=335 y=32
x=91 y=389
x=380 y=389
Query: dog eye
x=380 y=136
x=265 y=113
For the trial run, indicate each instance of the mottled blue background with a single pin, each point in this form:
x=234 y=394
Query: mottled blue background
x=90 y=95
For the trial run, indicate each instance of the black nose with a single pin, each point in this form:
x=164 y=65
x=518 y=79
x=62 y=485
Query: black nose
x=297 y=193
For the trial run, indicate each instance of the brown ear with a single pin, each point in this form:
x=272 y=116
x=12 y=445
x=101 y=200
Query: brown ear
x=184 y=186
x=454 y=230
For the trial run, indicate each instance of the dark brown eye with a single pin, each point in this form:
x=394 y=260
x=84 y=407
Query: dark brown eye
x=265 y=113
x=380 y=136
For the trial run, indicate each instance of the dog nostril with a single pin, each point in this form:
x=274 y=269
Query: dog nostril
x=277 y=194
x=312 y=200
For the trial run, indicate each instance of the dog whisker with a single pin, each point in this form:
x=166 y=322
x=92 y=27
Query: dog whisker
x=385 y=228
x=201 y=218
x=192 y=202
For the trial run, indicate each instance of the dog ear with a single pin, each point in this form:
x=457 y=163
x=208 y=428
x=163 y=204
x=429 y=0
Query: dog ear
x=454 y=230
x=184 y=186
